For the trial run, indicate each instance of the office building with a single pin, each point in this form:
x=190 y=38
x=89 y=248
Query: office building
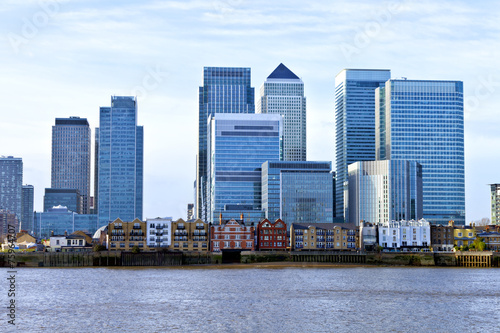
x=120 y=148
x=71 y=157
x=297 y=192
x=28 y=196
x=283 y=93
x=423 y=121
x=381 y=191
x=11 y=184
x=495 y=203
x=69 y=198
x=59 y=220
x=224 y=90
x=238 y=144
x=354 y=122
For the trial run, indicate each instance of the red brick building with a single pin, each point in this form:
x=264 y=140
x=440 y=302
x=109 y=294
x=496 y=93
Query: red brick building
x=271 y=236
x=232 y=235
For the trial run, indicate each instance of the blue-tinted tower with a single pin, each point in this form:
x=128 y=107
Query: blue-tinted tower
x=354 y=121
x=120 y=146
x=423 y=121
x=238 y=145
x=224 y=90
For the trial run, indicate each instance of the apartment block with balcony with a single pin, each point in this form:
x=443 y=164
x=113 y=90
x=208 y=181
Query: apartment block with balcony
x=271 y=236
x=189 y=236
x=123 y=236
x=159 y=232
x=232 y=235
x=324 y=237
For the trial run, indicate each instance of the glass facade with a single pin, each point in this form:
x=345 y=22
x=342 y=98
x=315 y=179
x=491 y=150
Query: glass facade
x=224 y=90
x=11 y=184
x=71 y=157
x=354 y=121
x=423 y=121
x=283 y=93
x=70 y=198
x=495 y=203
x=381 y=191
x=297 y=191
x=28 y=208
x=120 y=162
x=238 y=145
x=59 y=220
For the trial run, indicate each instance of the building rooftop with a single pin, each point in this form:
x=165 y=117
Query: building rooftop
x=282 y=72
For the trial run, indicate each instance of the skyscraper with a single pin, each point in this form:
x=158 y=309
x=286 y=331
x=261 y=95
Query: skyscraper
x=224 y=90
x=71 y=157
x=120 y=161
x=381 y=191
x=354 y=121
x=297 y=191
x=11 y=184
x=238 y=145
x=495 y=203
x=28 y=208
x=423 y=121
x=283 y=93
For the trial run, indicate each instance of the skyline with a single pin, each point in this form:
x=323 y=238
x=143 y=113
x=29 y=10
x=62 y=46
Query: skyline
x=84 y=53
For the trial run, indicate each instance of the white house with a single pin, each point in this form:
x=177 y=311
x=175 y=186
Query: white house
x=405 y=235
x=159 y=232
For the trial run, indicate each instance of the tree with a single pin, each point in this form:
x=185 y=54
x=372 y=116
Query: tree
x=136 y=249
x=481 y=222
x=99 y=247
x=479 y=244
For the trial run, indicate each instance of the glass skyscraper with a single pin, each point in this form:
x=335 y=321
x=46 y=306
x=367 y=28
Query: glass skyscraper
x=354 y=121
x=11 y=184
x=297 y=192
x=224 y=90
x=71 y=157
x=423 y=121
x=119 y=143
x=238 y=145
x=69 y=198
x=59 y=220
x=381 y=191
x=28 y=208
x=283 y=93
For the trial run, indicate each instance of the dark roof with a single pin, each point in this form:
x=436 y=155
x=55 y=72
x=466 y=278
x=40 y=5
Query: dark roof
x=282 y=72
x=348 y=226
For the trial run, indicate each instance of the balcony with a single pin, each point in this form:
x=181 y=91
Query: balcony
x=351 y=239
x=136 y=227
x=299 y=232
x=181 y=227
x=200 y=227
x=159 y=227
x=299 y=246
x=118 y=227
x=351 y=233
x=159 y=233
x=158 y=240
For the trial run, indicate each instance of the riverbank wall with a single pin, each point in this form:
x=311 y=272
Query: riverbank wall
x=116 y=258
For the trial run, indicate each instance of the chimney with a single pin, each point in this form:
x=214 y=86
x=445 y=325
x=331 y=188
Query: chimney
x=220 y=218
x=241 y=217
x=52 y=233
x=65 y=232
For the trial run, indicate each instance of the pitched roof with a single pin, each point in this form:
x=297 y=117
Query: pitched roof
x=282 y=72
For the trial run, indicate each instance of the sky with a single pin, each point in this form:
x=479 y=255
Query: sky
x=68 y=57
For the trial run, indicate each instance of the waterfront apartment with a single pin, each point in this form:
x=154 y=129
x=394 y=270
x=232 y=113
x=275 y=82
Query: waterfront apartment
x=405 y=235
x=442 y=237
x=76 y=242
x=324 y=237
x=232 y=235
x=463 y=235
x=189 y=235
x=271 y=235
x=123 y=236
x=159 y=233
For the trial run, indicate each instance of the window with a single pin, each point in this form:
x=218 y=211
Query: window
x=249 y=244
x=57 y=242
x=216 y=244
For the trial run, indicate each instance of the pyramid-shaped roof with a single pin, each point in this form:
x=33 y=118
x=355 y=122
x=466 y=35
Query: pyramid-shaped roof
x=282 y=72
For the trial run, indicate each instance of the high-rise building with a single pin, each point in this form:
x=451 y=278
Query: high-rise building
x=69 y=198
x=11 y=184
x=423 y=121
x=283 y=93
x=59 y=219
x=9 y=224
x=224 y=90
x=354 y=121
x=297 y=191
x=495 y=203
x=27 y=200
x=120 y=161
x=381 y=191
x=238 y=144
x=71 y=157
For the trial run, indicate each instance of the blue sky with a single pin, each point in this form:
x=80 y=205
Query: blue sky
x=66 y=58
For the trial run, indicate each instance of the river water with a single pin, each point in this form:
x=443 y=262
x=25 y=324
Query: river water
x=255 y=299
